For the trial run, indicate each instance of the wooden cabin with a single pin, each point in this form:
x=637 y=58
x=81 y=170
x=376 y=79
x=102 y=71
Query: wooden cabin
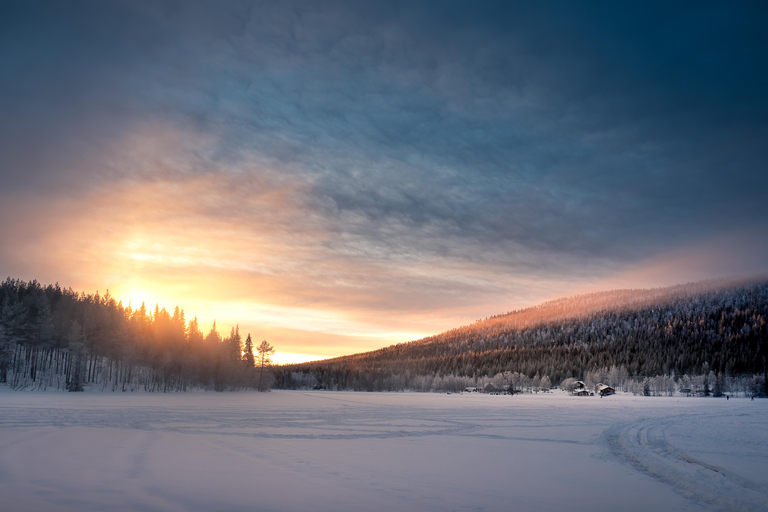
x=604 y=390
x=580 y=389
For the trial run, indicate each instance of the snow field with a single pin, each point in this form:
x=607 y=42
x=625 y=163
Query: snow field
x=330 y=451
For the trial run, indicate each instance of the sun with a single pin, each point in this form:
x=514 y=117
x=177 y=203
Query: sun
x=134 y=296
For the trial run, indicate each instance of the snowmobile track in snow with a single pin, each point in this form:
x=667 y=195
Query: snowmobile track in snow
x=644 y=445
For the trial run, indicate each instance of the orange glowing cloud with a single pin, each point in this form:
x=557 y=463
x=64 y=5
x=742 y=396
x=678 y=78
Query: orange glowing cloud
x=235 y=245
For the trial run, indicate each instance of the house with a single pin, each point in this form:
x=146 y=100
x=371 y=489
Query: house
x=685 y=391
x=580 y=389
x=604 y=390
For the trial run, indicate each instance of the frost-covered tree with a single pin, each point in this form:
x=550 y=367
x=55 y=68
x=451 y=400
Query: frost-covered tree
x=718 y=386
x=5 y=356
x=76 y=343
x=568 y=384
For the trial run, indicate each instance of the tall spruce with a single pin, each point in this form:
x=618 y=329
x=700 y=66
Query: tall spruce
x=248 y=358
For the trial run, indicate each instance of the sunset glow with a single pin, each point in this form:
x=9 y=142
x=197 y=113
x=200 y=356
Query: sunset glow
x=372 y=178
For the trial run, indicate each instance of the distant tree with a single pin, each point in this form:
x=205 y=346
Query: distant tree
x=14 y=321
x=42 y=324
x=568 y=384
x=5 y=356
x=76 y=343
x=265 y=350
x=213 y=338
x=765 y=378
x=234 y=347
x=717 y=390
x=248 y=358
x=194 y=334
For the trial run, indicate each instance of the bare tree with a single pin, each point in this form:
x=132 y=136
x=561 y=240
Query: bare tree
x=265 y=350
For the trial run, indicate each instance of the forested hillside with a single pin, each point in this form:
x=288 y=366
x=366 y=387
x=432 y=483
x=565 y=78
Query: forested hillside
x=710 y=335
x=691 y=329
x=54 y=337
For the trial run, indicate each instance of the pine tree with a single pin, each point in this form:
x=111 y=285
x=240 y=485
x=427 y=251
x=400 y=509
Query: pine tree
x=265 y=350
x=213 y=338
x=194 y=335
x=14 y=321
x=248 y=358
x=235 y=344
x=42 y=327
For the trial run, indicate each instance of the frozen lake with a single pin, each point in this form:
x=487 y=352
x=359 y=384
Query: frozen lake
x=333 y=451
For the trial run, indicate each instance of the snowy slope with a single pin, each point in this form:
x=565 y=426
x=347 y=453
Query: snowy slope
x=299 y=451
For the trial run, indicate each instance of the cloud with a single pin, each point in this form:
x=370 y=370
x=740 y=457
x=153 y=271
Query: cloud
x=403 y=163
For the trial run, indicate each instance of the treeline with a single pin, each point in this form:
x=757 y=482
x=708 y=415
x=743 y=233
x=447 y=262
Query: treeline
x=682 y=330
x=706 y=384
x=52 y=337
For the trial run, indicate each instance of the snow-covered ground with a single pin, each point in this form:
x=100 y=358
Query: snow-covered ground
x=333 y=451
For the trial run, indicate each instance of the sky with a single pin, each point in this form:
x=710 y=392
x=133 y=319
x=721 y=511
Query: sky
x=335 y=177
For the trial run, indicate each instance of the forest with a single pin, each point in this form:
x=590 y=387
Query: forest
x=52 y=337
x=710 y=335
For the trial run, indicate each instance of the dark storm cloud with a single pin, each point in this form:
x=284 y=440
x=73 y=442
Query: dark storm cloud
x=531 y=136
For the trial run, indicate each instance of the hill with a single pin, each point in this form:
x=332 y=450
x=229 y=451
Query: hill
x=712 y=326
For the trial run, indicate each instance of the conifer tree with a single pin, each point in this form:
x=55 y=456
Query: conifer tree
x=235 y=344
x=213 y=338
x=248 y=358
x=265 y=350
